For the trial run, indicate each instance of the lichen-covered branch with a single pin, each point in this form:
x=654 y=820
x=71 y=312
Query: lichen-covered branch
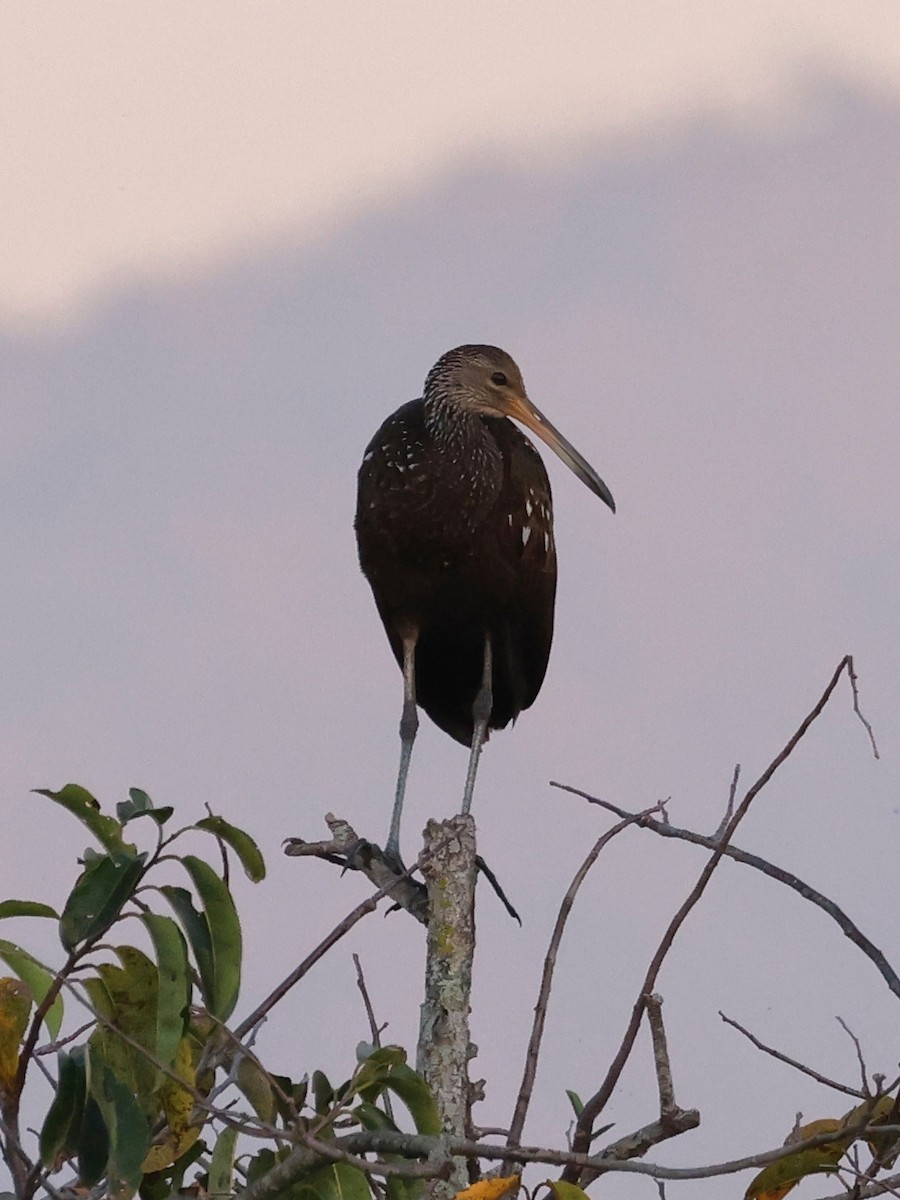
x=449 y=869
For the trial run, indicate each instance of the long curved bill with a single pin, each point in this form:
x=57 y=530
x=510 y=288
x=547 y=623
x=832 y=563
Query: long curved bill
x=521 y=409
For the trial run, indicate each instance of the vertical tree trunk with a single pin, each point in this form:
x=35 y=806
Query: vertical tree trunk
x=448 y=866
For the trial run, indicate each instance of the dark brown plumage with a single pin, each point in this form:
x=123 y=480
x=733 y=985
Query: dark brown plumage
x=454 y=525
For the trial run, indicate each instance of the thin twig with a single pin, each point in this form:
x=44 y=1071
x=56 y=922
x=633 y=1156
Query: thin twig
x=884 y=1187
x=859 y=1054
x=526 y=1087
x=853 y=684
x=53 y=1047
x=374 y=1028
x=600 y=1099
x=792 y=1062
x=729 y=807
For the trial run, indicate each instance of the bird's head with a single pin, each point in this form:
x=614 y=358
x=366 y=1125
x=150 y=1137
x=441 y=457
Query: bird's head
x=480 y=380
x=484 y=381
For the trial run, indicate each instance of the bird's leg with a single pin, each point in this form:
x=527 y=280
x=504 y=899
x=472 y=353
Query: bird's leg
x=409 y=723
x=481 y=713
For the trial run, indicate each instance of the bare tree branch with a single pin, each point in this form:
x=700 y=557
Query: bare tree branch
x=667 y=1104
x=598 y=1101
x=636 y=1145
x=540 y=1009
x=437 y=1150
x=792 y=1062
x=847 y=926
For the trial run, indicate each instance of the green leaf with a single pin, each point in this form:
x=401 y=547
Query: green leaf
x=387 y=1068
x=93 y=1144
x=174 y=984
x=254 y=1083
x=336 y=1181
x=79 y=801
x=139 y=804
x=376 y=1119
x=99 y=996
x=293 y=1092
x=221 y=1169
x=240 y=842
x=159 y=815
x=129 y=1134
x=323 y=1092
x=576 y=1101
x=38 y=978
x=262 y=1163
x=98 y=897
x=371 y=1117
x=61 y=1130
x=413 y=1091
x=26 y=908
x=197 y=930
x=379 y=1059
x=224 y=933
x=601 y=1130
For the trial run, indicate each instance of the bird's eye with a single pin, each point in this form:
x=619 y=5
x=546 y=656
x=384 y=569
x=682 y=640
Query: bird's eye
x=499 y=378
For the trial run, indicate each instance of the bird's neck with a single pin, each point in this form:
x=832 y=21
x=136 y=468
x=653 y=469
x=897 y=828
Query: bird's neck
x=456 y=431
x=465 y=439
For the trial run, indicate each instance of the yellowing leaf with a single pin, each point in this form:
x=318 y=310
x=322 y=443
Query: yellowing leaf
x=491 y=1189
x=15 y=1005
x=879 y=1113
x=565 y=1191
x=779 y=1177
x=177 y=1104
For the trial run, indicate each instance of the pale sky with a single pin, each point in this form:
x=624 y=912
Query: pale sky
x=153 y=138
x=238 y=235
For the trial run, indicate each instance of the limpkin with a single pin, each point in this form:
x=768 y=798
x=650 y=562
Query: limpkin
x=454 y=525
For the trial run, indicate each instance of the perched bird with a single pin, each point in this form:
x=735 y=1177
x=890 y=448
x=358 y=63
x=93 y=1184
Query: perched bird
x=454 y=526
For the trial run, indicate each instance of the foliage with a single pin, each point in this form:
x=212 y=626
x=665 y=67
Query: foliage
x=155 y=1088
